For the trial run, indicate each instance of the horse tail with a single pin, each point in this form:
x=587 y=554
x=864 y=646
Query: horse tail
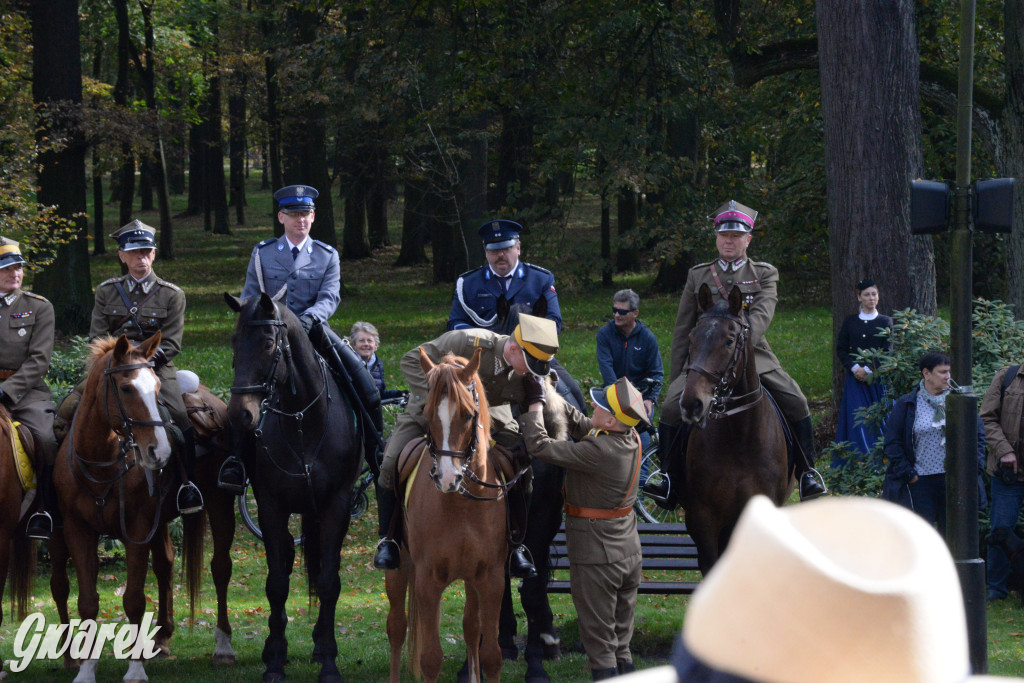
x=194 y=536
x=23 y=569
x=311 y=553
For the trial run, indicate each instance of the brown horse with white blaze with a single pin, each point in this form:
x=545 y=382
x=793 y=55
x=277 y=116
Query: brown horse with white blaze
x=739 y=447
x=114 y=476
x=455 y=525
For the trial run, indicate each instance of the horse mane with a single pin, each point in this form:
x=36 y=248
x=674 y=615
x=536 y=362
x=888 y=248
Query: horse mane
x=98 y=348
x=444 y=381
x=6 y=428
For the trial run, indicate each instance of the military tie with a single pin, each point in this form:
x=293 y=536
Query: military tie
x=295 y=253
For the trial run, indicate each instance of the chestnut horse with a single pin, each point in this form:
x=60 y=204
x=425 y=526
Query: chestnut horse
x=455 y=529
x=739 y=446
x=115 y=476
x=13 y=541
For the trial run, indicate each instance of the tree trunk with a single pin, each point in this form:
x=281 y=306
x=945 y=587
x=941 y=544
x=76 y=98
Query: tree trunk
x=515 y=151
x=868 y=56
x=414 y=227
x=126 y=188
x=627 y=207
x=474 y=193
x=1012 y=163
x=57 y=78
x=355 y=244
x=606 y=240
x=145 y=187
x=197 y=171
x=216 y=192
x=377 y=203
x=99 y=237
x=236 y=142
x=274 y=129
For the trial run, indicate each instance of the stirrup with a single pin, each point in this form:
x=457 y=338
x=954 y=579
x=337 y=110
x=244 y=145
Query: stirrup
x=653 y=490
x=183 y=493
x=35 y=528
x=381 y=558
x=816 y=491
x=232 y=466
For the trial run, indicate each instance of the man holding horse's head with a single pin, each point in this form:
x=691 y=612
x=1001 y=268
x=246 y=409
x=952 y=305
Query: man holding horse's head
x=602 y=466
x=758 y=282
x=505 y=361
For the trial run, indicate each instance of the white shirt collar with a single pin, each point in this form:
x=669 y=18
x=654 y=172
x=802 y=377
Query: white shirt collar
x=511 y=272
x=301 y=245
x=864 y=316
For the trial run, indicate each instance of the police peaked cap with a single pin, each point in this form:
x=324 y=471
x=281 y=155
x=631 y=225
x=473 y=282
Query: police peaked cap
x=500 y=233
x=296 y=198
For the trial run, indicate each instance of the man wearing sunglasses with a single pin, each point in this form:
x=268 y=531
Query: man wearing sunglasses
x=627 y=348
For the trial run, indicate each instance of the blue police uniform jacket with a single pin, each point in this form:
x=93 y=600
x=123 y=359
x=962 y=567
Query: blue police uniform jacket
x=475 y=303
x=635 y=357
x=313 y=278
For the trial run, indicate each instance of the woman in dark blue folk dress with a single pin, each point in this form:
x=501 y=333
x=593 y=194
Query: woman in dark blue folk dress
x=861 y=331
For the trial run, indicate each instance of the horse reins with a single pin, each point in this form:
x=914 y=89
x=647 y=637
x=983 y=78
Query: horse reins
x=269 y=389
x=466 y=455
x=126 y=444
x=723 y=403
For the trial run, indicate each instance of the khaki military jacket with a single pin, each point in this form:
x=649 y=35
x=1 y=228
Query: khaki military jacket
x=759 y=283
x=500 y=384
x=600 y=473
x=1001 y=412
x=26 y=345
x=163 y=309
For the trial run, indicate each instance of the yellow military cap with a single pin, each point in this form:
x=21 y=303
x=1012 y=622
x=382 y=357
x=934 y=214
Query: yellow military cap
x=539 y=339
x=623 y=401
x=10 y=253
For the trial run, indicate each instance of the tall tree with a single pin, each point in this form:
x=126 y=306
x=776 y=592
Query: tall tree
x=57 y=91
x=1013 y=156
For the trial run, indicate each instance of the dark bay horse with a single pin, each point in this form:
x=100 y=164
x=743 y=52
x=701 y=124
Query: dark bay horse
x=13 y=541
x=113 y=474
x=455 y=529
x=739 y=447
x=300 y=442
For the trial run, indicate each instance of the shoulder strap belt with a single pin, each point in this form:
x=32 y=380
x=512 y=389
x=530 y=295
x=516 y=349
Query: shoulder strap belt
x=259 y=279
x=132 y=310
x=718 y=282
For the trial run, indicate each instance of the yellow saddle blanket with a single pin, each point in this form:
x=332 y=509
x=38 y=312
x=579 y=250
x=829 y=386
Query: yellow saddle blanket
x=22 y=460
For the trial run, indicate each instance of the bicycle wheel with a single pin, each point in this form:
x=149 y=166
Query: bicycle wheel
x=249 y=512
x=646 y=509
x=360 y=498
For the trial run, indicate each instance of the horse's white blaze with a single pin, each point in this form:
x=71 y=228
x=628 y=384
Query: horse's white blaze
x=87 y=671
x=448 y=469
x=136 y=672
x=145 y=384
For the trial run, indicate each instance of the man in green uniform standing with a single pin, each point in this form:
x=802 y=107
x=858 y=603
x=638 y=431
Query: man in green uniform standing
x=734 y=226
x=26 y=345
x=602 y=471
x=505 y=360
x=137 y=305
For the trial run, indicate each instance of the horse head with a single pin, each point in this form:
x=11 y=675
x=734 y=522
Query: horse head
x=122 y=379
x=262 y=354
x=458 y=417
x=718 y=354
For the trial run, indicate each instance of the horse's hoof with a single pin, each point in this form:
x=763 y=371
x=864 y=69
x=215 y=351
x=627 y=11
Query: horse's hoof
x=510 y=652
x=272 y=678
x=535 y=672
x=219 y=660
x=333 y=677
x=551 y=651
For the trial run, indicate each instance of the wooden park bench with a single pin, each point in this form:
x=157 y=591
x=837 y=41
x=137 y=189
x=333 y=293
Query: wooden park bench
x=664 y=547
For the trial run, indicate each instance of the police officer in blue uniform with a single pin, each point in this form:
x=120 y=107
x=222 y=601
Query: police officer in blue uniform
x=305 y=274
x=484 y=296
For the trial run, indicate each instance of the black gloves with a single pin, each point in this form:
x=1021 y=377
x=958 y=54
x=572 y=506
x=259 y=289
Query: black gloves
x=308 y=320
x=534 y=389
x=160 y=358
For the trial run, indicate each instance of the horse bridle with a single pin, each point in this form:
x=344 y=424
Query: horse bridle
x=723 y=403
x=126 y=444
x=269 y=390
x=466 y=456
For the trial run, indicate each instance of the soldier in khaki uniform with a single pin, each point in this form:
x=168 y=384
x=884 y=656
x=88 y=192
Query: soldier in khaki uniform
x=602 y=472
x=26 y=345
x=138 y=304
x=504 y=361
x=734 y=225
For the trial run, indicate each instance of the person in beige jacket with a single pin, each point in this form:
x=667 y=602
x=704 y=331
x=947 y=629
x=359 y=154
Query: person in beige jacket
x=602 y=470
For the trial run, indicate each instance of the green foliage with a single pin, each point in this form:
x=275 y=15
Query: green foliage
x=997 y=340
x=67 y=366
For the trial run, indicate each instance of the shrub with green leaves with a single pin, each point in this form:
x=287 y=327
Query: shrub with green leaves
x=997 y=340
x=67 y=367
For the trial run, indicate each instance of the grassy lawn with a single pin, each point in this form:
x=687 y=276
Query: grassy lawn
x=408 y=308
